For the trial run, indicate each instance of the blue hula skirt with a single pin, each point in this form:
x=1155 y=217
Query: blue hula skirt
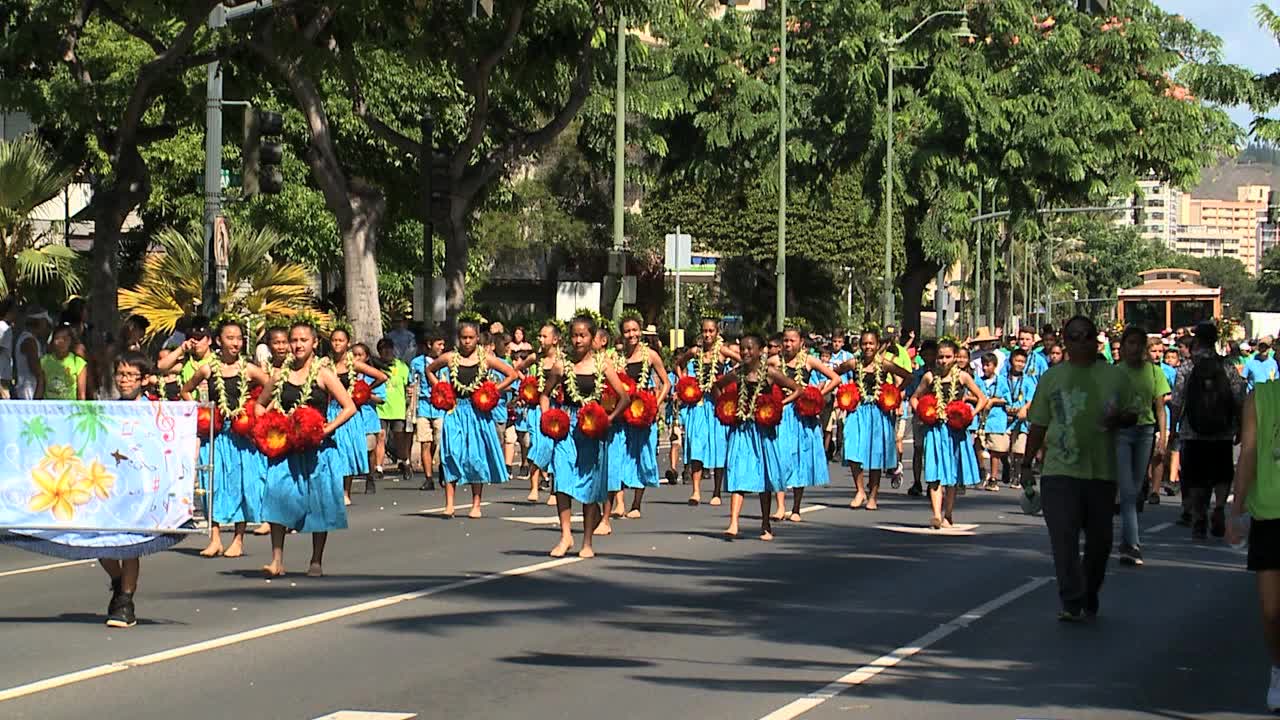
x=304 y=490
x=753 y=464
x=949 y=458
x=353 y=450
x=239 y=478
x=706 y=439
x=369 y=422
x=802 y=451
x=633 y=457
x=580 y=464
x=541 y=447
x=471 y=451
x=870 y=440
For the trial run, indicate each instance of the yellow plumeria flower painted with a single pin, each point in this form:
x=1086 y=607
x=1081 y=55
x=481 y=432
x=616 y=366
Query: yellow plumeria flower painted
x=60 y=494
x=58 y=458
x=96 y=479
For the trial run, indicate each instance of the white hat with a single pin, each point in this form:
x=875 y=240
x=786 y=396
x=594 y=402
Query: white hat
x=1245 y=346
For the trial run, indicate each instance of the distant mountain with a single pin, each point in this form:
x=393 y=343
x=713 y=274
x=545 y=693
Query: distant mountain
x=1257 y=165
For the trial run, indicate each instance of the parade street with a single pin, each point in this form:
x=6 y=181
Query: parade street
x=848 y=614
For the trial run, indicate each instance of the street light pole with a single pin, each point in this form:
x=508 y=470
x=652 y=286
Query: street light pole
x=619 y=164
x=780 y=303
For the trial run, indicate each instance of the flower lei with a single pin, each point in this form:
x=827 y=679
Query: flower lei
x=282 y=376
x=871 y=394
x=748 y=393
x=798 y=375
x=646 y=377
x=455 y=363
x=350 y=360
x=952 y=381
x=220 y=382
x=707 y=379
x=571 y=387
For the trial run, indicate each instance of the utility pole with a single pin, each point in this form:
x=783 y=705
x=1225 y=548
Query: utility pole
x=780 y=301
x=428 y=226
x=617 y=261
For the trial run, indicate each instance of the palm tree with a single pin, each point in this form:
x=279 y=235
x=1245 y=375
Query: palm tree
x=257 y=285
x=30 y=259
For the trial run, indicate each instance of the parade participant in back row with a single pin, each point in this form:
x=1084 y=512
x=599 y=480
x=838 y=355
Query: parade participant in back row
x=471 y=451
x=802 y=450
x=118 y=553
x=240 y=471
x=633 y=454
x=949 y=458
x=428 y=421
x=541 y=446
x=352 y=445
x=870 y=437
x=705 y=439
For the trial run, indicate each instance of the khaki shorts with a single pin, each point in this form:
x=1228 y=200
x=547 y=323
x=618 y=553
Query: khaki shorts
x=509 y=434
x=1018 y=443
x=997 y=442
x=902 y=427
x=836 y=418
x=426 y=430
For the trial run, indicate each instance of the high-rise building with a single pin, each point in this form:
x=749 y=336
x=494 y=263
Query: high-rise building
x=1211 y=226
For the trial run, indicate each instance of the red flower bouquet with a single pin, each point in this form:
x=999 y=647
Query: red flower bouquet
x=593 y=421
x=555 y=424
x=642 y=410
x=609 y=398
x=242 y=424
x=206 y=418
x=688 y=390
x=485 y=398
x=768 y=411
x=271 y=434
x=529 y=394
x=890 y=397
x=361 y=393
x=727 y=408
x=809 y=403
x=959 y=414
x=443 y=397
x=848 y=396
x=306 y=428
x=928 y=411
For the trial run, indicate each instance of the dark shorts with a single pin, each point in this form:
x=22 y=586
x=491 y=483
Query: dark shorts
x=393 y=427
x=1264 y=545
x=1206 y=463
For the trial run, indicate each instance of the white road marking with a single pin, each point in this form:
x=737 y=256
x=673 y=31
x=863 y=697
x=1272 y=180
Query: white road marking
x=959 y=530
x=368 y=715
x=1158 y=528
x=541 y=519
x=459 y=507
x=269 y=630
x=884 y=662
x=42 y=568
x=813 y=508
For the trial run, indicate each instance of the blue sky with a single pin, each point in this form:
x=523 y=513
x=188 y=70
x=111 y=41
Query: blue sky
x=1243 y=42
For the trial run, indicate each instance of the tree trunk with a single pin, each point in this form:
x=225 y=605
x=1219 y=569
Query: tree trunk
x=457 y=247
x=913 y=283
x=359 y=260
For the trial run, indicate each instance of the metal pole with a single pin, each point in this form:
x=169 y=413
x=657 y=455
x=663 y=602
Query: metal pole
x=215 y=276
x=888 y=201
x=677 y=325
x=991 y=291
x=619 y=159
x=780 y=302
x=977 y=273
x=428 y=227
x=848 y=295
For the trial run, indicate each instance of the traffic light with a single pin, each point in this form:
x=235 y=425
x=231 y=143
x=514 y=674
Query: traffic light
x=263 y=152
x=438 y=184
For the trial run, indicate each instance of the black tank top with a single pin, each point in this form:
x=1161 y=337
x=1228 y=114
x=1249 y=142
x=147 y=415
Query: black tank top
x=232 y=385
x=586 y=386
x=290 y=394
x=466 y=376
x=634 y=369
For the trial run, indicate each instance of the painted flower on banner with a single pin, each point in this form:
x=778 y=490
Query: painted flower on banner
x=59 y=458
x=97 y=480
x=57 y=492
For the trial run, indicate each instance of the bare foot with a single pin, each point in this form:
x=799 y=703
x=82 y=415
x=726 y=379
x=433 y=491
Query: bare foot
x=695 y=501
x=731 y=532
x=617 y=513
x=551 y=499
x=235 y=550
x=936 y=523
x=273 y=570
x=872 y=505
x=795 y=517
x=475 y=513
x=633 y=514
x=448 y=511
x=533 y=497
x=858 y=501
x=314 y=570
x=766 y=535
x=715 y=501
x=346 y=499
x=779 y=517
x=213 y=550
x=586 y=553
x=946 y=522
x=603 y=529
x=263 y=529
x=562 y=548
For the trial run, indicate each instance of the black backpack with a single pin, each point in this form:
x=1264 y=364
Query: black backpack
x=1210 y=404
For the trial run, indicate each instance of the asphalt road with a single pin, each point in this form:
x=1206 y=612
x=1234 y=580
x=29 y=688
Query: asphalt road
x=848 y=614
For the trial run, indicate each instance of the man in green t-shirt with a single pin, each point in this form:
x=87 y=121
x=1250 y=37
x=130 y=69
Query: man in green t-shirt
x=1076 y=410
x=391 y=412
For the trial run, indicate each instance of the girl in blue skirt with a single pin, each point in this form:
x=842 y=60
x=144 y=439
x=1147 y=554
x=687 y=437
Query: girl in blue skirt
x=352 y=445
x=949 y=459
x=633 y=452
x=541 y=446
x=870 y=434
x=706 y=441
x=581 y=464
x=471 y=451
x=754 y=463
x=802 y=450
x=304 y=488
x=367 y=414
x=240 y=471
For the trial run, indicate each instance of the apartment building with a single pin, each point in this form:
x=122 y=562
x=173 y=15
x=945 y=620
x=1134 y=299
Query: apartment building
x=1214 y=227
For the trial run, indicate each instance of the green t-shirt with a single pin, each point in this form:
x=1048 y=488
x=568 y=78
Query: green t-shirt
x=189 y=367
x=1146 y=383
x=60 y=376
x=393 y=407
x=1072 y=403
x=1264 y=497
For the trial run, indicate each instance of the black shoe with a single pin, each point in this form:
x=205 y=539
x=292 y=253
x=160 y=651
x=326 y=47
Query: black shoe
x=1218 y=523
x=1154 y=498
x=1091 y=607
x=428 y=484
x=1184 y=520
x=371 y=483
x=895 y=480
x=115 y=593
x=1130 y=555
x=120 y=614
x=1170 y=490
x=915 y=491
x=1071 y=616
x=672 y=476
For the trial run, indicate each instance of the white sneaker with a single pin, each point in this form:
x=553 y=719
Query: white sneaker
x=1273 y=693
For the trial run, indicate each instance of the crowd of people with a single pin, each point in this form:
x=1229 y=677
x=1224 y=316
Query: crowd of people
x=1093 y=426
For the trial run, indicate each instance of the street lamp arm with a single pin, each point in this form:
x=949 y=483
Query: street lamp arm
x=912 y=31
